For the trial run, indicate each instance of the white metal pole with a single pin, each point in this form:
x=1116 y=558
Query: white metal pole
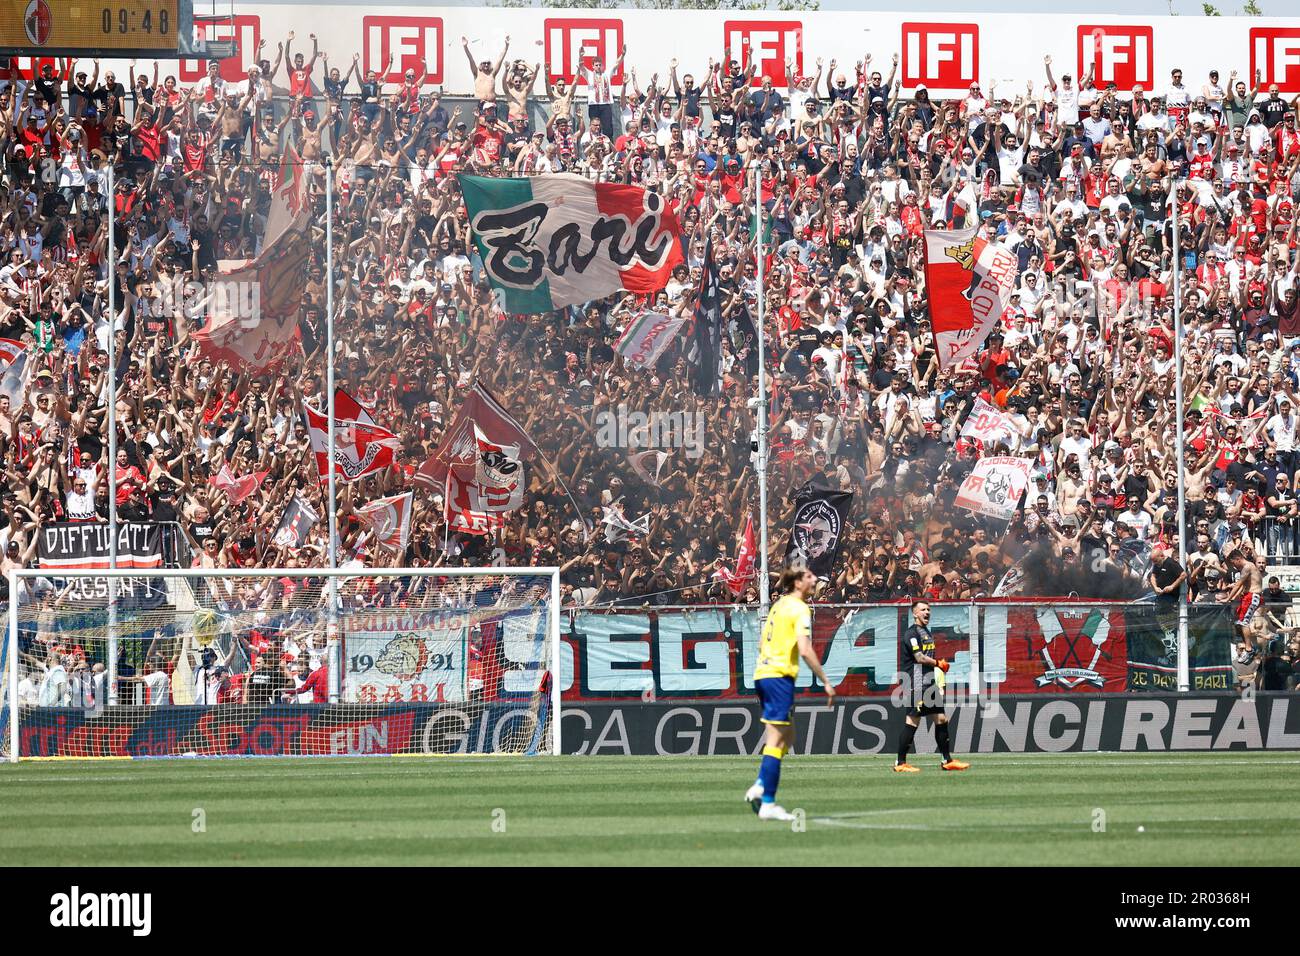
x=12 y=639
x=1184 y=670
x=110 y=665
x=554 y=628
x=335 y=657
x=764 y=595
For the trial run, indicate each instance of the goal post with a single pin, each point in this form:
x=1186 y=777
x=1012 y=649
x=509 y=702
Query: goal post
x=243 y=662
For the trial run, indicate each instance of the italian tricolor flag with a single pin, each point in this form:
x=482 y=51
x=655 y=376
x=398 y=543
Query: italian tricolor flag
x=551 y=241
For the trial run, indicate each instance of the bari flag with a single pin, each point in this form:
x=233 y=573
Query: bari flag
x=970 y=282
x=361 y=447
x=390 y=520
x=995 y=487
x=498 y=475
x=236 y=489
x=480 y=414
x=460 y=511
x=744 y=575
x=296 y=524
x=557 y=240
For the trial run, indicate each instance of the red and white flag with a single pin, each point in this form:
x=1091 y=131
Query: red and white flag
x=989 y=423
x=390 y=520
x=236 y=489
x=969 y=280
x=460 y=507
x=361 y=446
x=744 y=575
x=479 y=414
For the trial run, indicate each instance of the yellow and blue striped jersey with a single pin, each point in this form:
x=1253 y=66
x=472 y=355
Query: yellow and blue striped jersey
x=778 y=654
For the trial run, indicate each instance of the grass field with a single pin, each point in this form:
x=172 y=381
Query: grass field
x=671 y=811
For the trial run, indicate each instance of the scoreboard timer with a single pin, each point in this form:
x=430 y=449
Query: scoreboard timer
x=156 y=28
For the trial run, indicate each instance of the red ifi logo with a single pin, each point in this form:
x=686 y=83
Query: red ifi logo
x=408 y=40
x=945 y=56
x=1275 y=55
x=769 y=43
x=244 y=29
x=571 y=43
x=1116 y=54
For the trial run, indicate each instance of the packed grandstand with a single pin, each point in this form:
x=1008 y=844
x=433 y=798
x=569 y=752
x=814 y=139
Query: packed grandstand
x=1078 y=182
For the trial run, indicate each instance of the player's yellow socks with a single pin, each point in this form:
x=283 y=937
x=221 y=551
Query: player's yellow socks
x=777 y=752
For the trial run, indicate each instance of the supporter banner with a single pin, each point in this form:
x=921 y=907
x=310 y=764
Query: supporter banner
x=82 y=545
x=237 y=488
x=944 y=51
x=995 y=487
x=646 y=337
x=706 y=327
x=1040 y=724
x=479 y=414
x=1068 y=648
x=1056 y=648
x=557 y=240
x=970 y=282
x=1153 y=648
x=820 y=513
x=395 y=657
x=988 y=423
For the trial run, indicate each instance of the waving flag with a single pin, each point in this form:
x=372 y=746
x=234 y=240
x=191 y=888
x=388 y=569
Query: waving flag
x=14 y=370
x=479 y=414
x=820 y=514
x=708 y=328
x=646 y=337
x=618 y=528
x=744 y=575
x=641 y=465
x=361 y=447
x=557 y=240
x=970 y=282
x=296 y=524
x=995 y=487
x=236 y=489
x=390 y=520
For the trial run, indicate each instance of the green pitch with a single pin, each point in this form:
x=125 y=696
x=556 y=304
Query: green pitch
x=1008 y=809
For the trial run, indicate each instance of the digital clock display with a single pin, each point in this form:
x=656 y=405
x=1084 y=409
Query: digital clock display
x=88 y=27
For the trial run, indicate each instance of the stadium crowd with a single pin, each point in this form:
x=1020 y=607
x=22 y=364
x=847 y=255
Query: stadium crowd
x=1079 y=182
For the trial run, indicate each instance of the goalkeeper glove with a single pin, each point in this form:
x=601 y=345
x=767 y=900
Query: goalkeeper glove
x=943 y=666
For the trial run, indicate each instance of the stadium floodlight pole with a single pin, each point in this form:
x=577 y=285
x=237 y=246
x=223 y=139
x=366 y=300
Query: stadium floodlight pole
x=764 y=593
x=1184 y=675
x=110 y=665
x=331 y=618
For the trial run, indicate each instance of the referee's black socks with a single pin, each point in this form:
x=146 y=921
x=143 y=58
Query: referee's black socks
x=905 y=742
x=941 y=738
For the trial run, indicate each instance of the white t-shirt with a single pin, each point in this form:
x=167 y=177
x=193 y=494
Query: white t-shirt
x=158 y=691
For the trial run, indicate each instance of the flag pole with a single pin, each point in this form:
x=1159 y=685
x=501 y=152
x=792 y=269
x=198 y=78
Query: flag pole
x=335 y=658
x=764 y=595
x=110 y=665
x=1184 y=670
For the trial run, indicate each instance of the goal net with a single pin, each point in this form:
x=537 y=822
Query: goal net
x=168 y=663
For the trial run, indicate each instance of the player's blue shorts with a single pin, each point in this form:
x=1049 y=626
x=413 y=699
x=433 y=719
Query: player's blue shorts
x=776 y=694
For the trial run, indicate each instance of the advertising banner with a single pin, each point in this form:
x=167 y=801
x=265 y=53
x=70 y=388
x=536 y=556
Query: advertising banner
x=1034 y=724
x=945 y=52
x=1071 y=647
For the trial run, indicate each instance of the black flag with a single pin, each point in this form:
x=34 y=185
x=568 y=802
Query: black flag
x=296 y=525
x=820 y=515
x=708 y=328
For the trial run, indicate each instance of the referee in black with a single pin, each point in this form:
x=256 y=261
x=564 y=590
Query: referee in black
x=923 y=692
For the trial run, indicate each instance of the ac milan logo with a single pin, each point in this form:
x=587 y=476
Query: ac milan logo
x=38 y=22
